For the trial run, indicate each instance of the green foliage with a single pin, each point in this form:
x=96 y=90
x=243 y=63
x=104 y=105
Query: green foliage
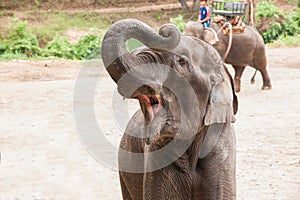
x=28 y=46
x=132 y=44
x=296 y=16
x=60 y=47
x=281 y=25
x=273 y=32
x=18 y=30
x=158 y=16
x=286 y=41
x=88 y=47
x=292 y=23
x=178 y=21
x=292 y=2
x=20 y=43
x=267 y=9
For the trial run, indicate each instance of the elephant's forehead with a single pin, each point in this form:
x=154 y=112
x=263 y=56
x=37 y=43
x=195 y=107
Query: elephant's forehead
x=199 y=52
x=185 y=46
x=205 y=60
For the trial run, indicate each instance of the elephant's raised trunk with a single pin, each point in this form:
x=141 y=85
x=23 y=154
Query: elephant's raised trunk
x=117 y=60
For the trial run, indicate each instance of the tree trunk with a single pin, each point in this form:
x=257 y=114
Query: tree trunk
x=250 y=12
x=196 y=4
x=184 y=5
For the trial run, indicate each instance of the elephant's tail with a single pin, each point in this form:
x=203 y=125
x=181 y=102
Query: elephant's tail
x=253 y=77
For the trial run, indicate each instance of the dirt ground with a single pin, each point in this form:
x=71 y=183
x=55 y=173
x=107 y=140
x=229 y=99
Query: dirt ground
x=42 y=156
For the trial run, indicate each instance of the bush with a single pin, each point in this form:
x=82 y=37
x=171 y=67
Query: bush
x=178 y=21
x=59 y=47
x=296 y=16
x=88 y=47
x=292 y=23
x=276 y=23
x=273 y=32
x=20 y=41
x=289 y=41
x=267 y=9
x=29 y=47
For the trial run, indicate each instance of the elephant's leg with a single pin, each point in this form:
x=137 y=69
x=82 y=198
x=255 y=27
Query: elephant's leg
x=266 y=79
x=125 y=192
x=217 y=169
x=131 y=182
x=168 y=183
x=172 y=182
x=237 y=77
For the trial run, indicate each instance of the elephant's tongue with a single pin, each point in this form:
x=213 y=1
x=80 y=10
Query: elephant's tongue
x=149 y=106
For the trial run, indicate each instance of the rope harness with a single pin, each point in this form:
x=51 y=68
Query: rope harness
x=233 y=26
x=236 y=22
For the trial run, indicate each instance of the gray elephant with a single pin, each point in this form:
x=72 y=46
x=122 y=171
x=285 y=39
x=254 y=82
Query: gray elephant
x=181 y=144
x=247 y=49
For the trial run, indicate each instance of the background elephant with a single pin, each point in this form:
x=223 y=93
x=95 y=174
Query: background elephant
x=247 y=49
x=187 y=105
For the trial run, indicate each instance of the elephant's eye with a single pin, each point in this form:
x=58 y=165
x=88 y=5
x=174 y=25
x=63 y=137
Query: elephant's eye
x=182 y=61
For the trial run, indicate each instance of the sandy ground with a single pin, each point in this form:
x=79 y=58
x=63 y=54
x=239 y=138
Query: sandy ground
x=43 y=157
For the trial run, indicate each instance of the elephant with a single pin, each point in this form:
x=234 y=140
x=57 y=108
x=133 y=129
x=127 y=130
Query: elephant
x=247 y=49
x=180 y=144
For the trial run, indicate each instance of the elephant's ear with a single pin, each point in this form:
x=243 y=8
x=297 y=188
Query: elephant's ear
x=222 y=103
x=210 y=36
x=235 y=102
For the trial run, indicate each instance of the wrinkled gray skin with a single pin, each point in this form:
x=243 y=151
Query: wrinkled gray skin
x=195 y=174
x=248 y=49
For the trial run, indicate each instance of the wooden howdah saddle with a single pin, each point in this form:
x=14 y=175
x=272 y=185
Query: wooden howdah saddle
x=232 y=12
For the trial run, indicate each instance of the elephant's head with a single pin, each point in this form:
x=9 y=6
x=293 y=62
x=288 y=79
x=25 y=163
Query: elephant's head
x=221 y=42
x=174 y=77
x=196 y=29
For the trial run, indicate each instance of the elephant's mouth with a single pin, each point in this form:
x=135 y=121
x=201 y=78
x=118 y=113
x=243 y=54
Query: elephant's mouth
x=150 y=105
